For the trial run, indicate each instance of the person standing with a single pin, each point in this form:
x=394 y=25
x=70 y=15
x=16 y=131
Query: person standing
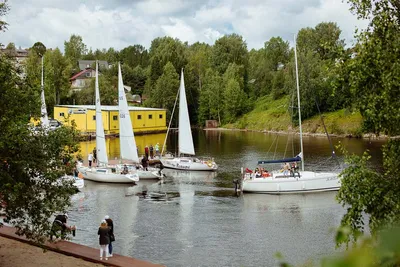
x=157 y=148
x=110 y=224
x=90 y=159
x=146 y=151
x=60 y=227
x=104 y=239
x=145 y=163
x=151 y=151
x=94 y=155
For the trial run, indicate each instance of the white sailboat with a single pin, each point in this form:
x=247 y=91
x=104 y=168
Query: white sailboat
x=295 y=181
x=128 y=150
x=185 y=140
x=103 y=172
x=44 y=118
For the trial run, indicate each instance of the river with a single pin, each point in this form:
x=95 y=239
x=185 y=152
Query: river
x=201 y=221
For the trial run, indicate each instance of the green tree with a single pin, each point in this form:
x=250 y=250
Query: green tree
x=31 y=164
x=165 y=90
x=375 y=80
x=210 y=100
x=108 y=92
x=39 y=48
x=135 y=55
x=74 y=49
x=4 y=8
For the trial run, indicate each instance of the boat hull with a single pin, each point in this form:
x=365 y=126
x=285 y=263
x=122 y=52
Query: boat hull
x=105 y=176
x=189 y=164
x=149 y=175
x=308 y=182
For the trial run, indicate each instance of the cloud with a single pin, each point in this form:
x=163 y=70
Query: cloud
x=120 y=23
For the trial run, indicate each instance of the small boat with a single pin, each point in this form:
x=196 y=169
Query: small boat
x=79 y=183
x=185 y=140
x=290 y=179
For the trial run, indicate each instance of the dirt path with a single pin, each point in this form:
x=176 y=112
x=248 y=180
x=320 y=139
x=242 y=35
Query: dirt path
x=17 y=254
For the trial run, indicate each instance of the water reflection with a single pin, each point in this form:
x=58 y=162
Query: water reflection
x=201 y=222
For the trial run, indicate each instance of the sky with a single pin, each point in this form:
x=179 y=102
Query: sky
x=120 y=23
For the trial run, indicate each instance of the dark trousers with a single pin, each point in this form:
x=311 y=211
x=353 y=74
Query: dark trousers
x=110 y=247
x=90 y=163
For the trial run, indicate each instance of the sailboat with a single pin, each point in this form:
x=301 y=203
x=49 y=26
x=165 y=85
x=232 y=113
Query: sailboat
x=44 y=118
x=128 y=150
x=103 y=172
x=185 y=140
x=291 y=180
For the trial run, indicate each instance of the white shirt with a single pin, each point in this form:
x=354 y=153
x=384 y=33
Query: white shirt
x=90 y=157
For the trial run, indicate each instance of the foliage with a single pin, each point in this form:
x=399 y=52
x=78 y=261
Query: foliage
x=39 y=48
x=211 y=98
x=74 y=49
x=134 y=56
x=166 y=90
x=4 y=8
x=31 y=162
x=375 y=69
x=108 y=92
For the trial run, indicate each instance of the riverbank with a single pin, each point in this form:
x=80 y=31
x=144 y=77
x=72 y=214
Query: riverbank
x=62 y=253
x=365 y=136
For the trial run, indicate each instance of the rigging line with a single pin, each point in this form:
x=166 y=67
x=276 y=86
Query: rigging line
x=170 y=121
x=276 y=146
x=326 y=132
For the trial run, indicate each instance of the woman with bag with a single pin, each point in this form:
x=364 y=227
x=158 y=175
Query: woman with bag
x=104 y=239
x=110 y=224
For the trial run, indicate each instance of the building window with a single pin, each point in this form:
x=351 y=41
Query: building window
x=160 y=116
x=139 y=117
x=61 y=114
x=150 y=116
x=88 y=74
x=115 y=118
x=94 y=117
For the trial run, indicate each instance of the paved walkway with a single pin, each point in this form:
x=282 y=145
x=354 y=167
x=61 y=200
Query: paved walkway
x=80 y=251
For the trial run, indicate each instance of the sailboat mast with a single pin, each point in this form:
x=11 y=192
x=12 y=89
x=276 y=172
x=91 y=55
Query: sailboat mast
x=298 y=104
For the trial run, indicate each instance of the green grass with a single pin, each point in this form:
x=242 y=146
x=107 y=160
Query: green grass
x=273 y=115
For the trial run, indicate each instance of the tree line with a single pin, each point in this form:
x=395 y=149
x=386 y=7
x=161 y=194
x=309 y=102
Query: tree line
x=222 y=81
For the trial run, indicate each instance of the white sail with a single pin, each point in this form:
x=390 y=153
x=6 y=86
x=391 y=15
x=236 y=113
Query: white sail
x=44 y=118
x=100 y=138
x=127 y=141
x=185 y=132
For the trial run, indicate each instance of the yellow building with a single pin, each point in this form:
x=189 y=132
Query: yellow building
x=144 y=120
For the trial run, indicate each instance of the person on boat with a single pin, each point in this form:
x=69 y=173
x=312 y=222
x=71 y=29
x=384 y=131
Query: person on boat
x=294 y=169
x=257 y=173
x=110 y=224
x=104 y=239
x=151 y=151
x=94 y=155
x=145 y=163
x=157 y=148
x=125 y=170
x=60 y=227
x=146 y=151
x=286 y=168
x=90 y=159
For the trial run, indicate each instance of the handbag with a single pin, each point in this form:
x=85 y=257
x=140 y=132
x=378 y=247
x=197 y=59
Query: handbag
x=112 y=238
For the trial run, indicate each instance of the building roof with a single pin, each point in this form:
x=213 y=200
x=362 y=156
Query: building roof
x=109 y=108
x=83 y=64
x=80 y=73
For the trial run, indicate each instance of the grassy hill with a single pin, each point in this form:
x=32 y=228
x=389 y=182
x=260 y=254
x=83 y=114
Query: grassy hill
x=273 y=115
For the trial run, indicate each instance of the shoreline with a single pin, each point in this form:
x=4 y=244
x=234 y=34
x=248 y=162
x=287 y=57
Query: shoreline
x=364 y=136
x=72 y=254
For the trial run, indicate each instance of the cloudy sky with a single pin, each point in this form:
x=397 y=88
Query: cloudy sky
x=120 y=23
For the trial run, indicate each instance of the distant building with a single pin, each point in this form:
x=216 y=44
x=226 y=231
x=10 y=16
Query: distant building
x=82 y=79
x=20 y=56
x=144 y=120
x=84 y=64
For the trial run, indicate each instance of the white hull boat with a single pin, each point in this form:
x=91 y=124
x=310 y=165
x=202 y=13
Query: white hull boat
x=185 y=141
x=189 y=164
x=279 y=184
x=79 y=183
x=109 y=175
x=292 y=180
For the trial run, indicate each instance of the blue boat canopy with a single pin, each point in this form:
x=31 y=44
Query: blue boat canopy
x=295 y=159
